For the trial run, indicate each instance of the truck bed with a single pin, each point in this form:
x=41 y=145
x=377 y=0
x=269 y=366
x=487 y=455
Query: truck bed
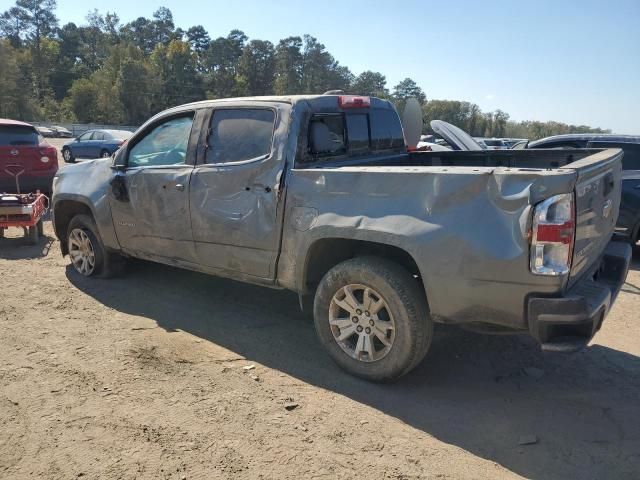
x=464 y=216
x=534 y=159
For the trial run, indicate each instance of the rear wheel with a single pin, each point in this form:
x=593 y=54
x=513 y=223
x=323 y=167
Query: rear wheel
x=87 y=252
x=67 y=155
x=372 y=317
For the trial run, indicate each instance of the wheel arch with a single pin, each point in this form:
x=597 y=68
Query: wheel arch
x=324 y=254
x=63 y=211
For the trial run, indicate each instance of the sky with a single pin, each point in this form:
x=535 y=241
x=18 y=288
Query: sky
x=572 y=61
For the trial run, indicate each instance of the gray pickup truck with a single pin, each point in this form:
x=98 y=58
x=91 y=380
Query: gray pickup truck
x=319 y=194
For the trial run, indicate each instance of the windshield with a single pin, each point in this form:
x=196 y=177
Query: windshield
x=18 y=135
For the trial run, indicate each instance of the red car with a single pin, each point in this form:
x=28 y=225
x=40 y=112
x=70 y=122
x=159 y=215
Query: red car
x=25 y=153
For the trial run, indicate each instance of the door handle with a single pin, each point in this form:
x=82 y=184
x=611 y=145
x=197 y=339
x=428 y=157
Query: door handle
x=179 y=187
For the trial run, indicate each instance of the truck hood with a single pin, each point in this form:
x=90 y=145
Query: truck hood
x=457 y=138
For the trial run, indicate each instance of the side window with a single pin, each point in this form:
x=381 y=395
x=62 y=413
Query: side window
x=85 y=136
x=326 y=135
x=98 y=136
x=240 y=134
x=386 y=130
x=166 y=144
x=631 y=158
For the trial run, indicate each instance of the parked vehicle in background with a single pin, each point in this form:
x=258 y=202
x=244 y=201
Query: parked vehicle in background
x=628 y=226
x=61 y=132
x=26 y=154
x=95 y=144
x=429 y=143
x=46 y=132
x=510 y=142
x=319 y=194
x=492 y=143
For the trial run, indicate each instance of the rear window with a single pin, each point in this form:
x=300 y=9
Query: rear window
x=386 y=130
x=18 y=135
x=117 y=135
x=631 y=158
x=358 y=130
x=240 y=134
x=332 y=135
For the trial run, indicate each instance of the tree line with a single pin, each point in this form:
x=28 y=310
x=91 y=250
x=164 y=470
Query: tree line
x=106 y=71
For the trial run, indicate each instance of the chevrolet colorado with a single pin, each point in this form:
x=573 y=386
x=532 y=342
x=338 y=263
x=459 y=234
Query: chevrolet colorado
x=319 y=194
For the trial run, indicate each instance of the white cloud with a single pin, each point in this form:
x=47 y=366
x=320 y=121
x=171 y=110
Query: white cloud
x=489 y=96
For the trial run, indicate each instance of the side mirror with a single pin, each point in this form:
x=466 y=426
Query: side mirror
x=119 y=187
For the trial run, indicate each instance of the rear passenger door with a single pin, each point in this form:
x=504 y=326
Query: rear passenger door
x=235 y=188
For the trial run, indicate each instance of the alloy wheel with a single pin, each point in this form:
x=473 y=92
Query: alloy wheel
x=361 y=323
x=81 y=251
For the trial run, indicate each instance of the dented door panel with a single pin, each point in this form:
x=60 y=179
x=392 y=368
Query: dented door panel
x=235 y=207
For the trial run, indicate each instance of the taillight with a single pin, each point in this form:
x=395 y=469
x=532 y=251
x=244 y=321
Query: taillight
x=48 y=154
x=353 y=101
x=552 y=235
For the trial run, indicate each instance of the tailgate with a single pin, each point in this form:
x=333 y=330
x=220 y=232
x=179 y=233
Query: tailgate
x=597 y=192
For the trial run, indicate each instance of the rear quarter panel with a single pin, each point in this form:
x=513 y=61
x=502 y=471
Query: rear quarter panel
x=466 y=228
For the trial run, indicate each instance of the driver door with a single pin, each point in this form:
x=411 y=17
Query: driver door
x=151 y=212
x=80 y=147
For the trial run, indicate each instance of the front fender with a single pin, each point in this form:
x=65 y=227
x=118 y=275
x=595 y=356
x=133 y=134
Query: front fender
x=86 y=184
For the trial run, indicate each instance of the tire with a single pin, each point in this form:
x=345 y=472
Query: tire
x=105 y=154
x=33 y=235
x=67 y=155
x=404 y=320
x=104 y=264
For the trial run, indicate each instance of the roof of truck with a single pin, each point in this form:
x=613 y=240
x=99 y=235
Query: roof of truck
x=292 y=99
x=289 y=99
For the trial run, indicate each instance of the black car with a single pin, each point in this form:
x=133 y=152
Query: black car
x=629 y=220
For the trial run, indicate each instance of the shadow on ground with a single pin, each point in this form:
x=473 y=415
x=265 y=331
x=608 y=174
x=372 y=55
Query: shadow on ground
x=18 y=248
x=484 y=394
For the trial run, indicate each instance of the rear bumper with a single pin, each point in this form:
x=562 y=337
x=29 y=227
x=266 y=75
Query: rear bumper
x=27 y=184
x=568 y=323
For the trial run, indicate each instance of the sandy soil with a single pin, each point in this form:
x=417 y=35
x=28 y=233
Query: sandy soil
x=144 y=377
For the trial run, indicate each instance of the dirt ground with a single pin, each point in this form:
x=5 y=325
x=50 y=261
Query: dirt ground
x=148 y=376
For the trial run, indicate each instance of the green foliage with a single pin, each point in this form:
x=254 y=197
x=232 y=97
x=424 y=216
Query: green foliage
x=370 y=83
x=108 y=72
x=82 y=100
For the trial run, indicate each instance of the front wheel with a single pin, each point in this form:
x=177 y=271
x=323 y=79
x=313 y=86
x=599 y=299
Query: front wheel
x=372 y=317
x=88 y=255
x=105 y=154
x=67 y=155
